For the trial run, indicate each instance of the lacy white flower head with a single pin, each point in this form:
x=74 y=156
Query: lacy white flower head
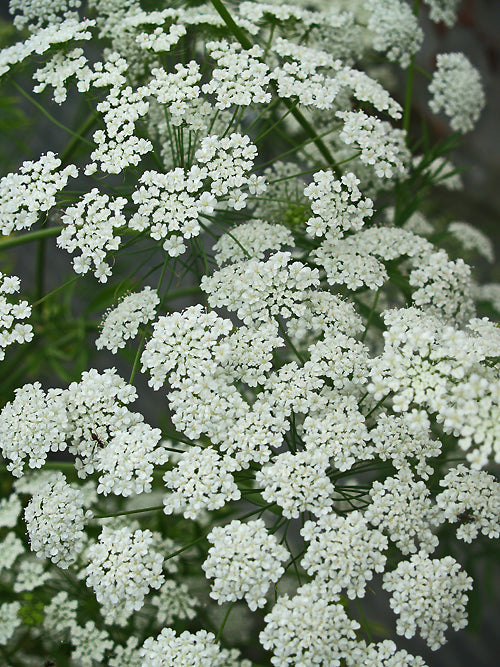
x=34 y=14
x=243 y=562
x=122 y=322
x=444 y=10
x=257 y=290
x=31 y=574
x=31 y=426
x=174 y=601
x=383 y=654
x=337 y=205
x=308 y=630
x=10 y=620
x=60 y=613
x=55 y=520
x=297 y=483
x=429 y=595
x=10 y=330
x=457 y=90
x=90 y=226
x=200 y=481
x=10 y=509
x=123 y=566
x=188 y=650
x=472 y=239
x=10 y=548
x=90 y=644
x=251 y=239
x=343 y=553
x=471 y=498
x=395 y=29
x=402 y=508
x=31 y=191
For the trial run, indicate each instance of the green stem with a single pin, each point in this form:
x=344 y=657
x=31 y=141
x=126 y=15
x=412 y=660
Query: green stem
x=13 y=241
x=247 y=44
x=221 y=629
x=49 y=116
x=370 y=315
x=145 y=509
x=409 y=85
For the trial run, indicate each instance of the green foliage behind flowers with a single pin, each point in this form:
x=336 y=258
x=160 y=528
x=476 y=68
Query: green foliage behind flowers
x=241 y=219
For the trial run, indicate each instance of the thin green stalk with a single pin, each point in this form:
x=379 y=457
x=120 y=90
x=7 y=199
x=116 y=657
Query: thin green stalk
x=29 y=237
x=409 y=85
x=145 y=509
x=370 y=315
x=221 y=629
x=49 y=116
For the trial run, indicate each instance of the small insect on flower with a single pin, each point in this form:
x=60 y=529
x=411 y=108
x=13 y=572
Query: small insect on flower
x=97 y=439
x=466 y=517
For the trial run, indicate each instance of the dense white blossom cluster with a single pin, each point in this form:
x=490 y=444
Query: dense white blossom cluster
x=90 y=227
x=123 y=321
x=421 y=363
x=337 y=205
x=58 y=70
x=444 y=10
x=10 y=330
x=174 y=601
x=9 y=620
x=395 y=29
x=343 y=553
x=30 y=575
x=473 y=239
x=201 y=480
x=90 y=644
x=471 y=498
x=55 y=519
x=188 y=650
x=308 y=629
x=297 y=483
x=123 y=566
x=251 y=239
x=60 y=613
x=36 y=13
x=429 y=595
x=244 y=561
x=402 y=507
x=10 y=509
x=457 y=91
x=31 y=191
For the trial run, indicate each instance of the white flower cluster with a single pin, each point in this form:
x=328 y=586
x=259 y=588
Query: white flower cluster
x=200 y=481
x=337 y=205
x=251 y=239
x=444 y=287
x=383 y=654
x=32 y=190
x=444 y=10
x=472 y=499
x=10 y=330
x=244 y=561
x=188 y=650
x=381 y=145
x=10 y=620
x=457 y=90
x=428 y=595
x=30 y=575
x=90 y=644
x=60 y=613
x=55 y=520
x=240 y=77
x=395 y=29
x=170 y=204
x=339 y=430
x=343 y=553
x=178 y=90
x=258 y=290
x=10 y=548
x=182 y=341
x=174 y=601
x=472 y=238
x=297 y=483
x=117 y=145
x=402 y=508
x=10 y=509
x=90 y=226
x=69 y=30
x=308 y=630
x=32 y=425
x=324 y=310
x=123 y=566
x=123 y=321
x=58 y=70
x=35 y=13
x=439 y=368
x=404 y=437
